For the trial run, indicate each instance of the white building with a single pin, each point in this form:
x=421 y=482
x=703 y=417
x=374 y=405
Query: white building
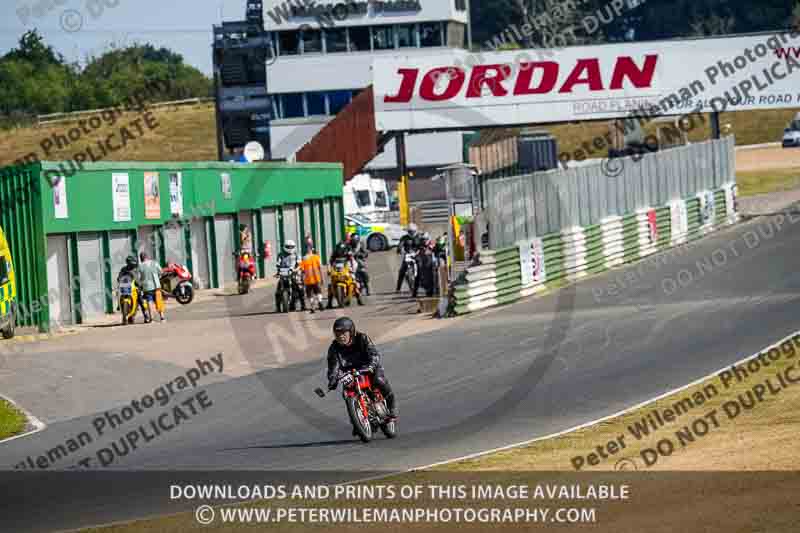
x=324 y=57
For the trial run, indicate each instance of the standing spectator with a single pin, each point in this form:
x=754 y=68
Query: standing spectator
x=245 y=239
x=151 y=286
x=312 y=277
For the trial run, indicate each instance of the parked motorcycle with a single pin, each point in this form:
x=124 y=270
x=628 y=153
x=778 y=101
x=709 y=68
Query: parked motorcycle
x=128 y=292
x=247 y=271
x=342 y=286
x=288 y=292
x=361 y=276
x=176 y=282
x=366 y=406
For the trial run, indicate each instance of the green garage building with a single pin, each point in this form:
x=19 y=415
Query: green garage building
x=71 y=230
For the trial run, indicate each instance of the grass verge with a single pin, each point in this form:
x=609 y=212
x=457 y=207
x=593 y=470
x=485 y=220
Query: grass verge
x=768 y=180
x=714 y=427
x=12 y=422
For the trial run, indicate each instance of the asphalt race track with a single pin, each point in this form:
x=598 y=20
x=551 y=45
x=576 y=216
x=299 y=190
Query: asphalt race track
x=488 y=380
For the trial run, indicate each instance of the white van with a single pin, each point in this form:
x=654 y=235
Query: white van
x=366 y=196
x=791 y=135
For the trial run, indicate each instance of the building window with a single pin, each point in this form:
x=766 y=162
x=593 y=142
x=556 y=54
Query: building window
x=405 y=36
x=316 y=103
x=359 y=39
x=292 y=105
x=382 y=37
x=312 y=42
x=337 y=100
x=336 y=40
x=363 y=199
x=289 y=43
x=430 y=34
x=461 y=5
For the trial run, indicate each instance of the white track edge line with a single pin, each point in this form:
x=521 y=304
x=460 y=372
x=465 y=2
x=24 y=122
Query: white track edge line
x=603 y=419
x=38 y=425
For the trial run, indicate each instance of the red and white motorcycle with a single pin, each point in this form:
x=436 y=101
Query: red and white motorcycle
x=176 y=282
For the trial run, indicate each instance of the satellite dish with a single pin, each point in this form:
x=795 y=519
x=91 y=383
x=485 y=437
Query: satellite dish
x=253 y=151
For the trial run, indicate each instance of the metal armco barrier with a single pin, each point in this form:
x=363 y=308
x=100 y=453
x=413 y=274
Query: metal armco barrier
x=571 y=254
x=522 y=207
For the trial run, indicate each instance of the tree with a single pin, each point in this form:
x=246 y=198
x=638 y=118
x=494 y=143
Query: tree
x=33 y=49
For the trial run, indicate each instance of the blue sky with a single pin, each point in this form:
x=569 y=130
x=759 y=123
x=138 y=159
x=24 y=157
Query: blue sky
x=184 y=26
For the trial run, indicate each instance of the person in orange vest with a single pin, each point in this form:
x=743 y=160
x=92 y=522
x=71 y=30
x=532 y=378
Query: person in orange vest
x=312 y=277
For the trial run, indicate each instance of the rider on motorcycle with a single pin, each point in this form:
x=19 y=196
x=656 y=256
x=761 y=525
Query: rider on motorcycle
x=130 y=272
x=352 y=349
x=246 y=264
x=409 y=243
x=288 y=259
x=360 y=254
x=344 y=252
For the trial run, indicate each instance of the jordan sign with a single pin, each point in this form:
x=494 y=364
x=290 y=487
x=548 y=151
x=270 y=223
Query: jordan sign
x=458 y=89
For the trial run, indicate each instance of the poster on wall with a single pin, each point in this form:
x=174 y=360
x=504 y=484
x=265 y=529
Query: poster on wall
x=176 y=194
x=60 y=198
x=122 y=197
x=653 y=226
x=537 y=259
x=707 y=207
x=225 y=179
x=152 y=196
x=678 y=221
x=730 y=202
x=526 y=262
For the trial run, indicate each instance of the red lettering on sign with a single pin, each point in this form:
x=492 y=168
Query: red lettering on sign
x=626 y=72
x=455 y=77
x=626 y=68
x=406 y=86
x=479 y=79
x=586 y=71
x=548 y=82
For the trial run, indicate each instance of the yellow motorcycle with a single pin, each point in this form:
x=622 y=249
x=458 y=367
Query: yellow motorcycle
x=342 y=285
x=128 y=299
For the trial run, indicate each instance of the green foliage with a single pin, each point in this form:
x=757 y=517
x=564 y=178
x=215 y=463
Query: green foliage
x=35 y=80
x=653 y=19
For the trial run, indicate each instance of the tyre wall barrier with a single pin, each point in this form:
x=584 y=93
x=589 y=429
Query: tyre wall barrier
x=577 y=252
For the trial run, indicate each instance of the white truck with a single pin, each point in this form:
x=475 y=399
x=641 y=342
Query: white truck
x=368 y=197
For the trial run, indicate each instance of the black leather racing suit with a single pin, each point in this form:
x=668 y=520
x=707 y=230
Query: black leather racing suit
x=361 y=254
x=407 y=244
x=361 y=354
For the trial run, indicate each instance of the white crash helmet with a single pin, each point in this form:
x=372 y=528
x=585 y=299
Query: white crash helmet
x=412 y=229
x=290 y=247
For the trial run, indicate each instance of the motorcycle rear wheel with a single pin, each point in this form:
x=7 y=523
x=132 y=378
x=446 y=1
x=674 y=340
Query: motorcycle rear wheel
x=362 y=426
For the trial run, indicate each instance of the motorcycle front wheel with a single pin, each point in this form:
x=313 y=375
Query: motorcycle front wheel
x=340 y=298
x=184 y=293
x=360 y=423
x=284 y=301
x=125 y=308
